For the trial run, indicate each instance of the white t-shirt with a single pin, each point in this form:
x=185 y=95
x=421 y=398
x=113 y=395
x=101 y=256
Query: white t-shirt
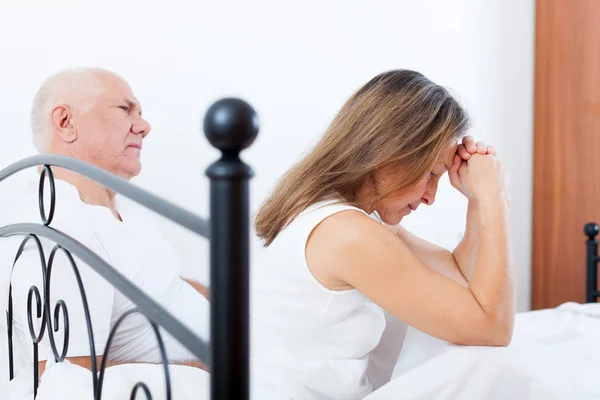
x=133 y=247
x=309 y=342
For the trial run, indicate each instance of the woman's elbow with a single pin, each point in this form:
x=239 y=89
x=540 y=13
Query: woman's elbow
x=488 y=332
x=502 y=338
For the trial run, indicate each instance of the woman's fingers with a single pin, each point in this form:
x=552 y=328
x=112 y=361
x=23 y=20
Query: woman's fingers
x=463 y=152
x=481 y=147
x=456 y=163
x=453 y=171
x=470 y=145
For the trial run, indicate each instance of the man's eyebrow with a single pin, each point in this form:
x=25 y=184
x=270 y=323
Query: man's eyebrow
x=131 y=104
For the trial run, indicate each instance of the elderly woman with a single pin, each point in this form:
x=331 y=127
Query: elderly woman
x=332 y=266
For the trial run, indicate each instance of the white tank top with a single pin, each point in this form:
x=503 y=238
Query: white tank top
x=309 y=342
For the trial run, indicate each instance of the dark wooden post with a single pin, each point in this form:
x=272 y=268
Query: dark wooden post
x=230 y=125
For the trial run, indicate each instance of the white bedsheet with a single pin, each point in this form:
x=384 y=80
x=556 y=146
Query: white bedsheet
x=555 y=354
x=66 y=381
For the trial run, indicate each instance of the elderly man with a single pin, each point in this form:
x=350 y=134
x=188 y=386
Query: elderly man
x=93 y=115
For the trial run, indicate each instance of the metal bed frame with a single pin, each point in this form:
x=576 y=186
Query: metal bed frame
x=230 y=125
x=592 y=292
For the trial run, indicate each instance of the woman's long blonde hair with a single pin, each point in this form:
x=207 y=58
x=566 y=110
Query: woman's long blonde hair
x=399 y=116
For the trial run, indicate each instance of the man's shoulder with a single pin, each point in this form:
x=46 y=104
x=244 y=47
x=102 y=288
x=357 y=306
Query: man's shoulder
x=70 y=215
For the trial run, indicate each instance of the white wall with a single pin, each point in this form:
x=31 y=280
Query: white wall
x=296 y=63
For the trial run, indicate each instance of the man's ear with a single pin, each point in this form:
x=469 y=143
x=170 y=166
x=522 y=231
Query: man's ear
x=60 y=117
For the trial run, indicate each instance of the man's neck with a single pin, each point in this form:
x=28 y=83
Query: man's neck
x=90 y=192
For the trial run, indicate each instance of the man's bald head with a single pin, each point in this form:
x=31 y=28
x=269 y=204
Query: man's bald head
x=90 y=114
x=76 y=87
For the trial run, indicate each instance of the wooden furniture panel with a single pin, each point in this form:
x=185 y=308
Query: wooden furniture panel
x=566 y=171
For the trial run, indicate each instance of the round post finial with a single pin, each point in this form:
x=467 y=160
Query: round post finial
x=231 y=124
x=591 y=230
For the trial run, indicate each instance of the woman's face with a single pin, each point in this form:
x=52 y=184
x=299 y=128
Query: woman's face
x=399 y=204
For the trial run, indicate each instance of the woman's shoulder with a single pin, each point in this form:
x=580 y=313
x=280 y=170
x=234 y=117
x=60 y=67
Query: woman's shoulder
x=350 y=240
x=348 y=225
x=328 y=207
x=314 y=215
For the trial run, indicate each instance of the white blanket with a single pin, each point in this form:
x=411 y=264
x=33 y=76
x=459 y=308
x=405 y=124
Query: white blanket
x=555 y=354
x=66 y=381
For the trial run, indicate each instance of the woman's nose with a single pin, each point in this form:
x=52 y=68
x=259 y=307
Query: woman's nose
x=429 y=195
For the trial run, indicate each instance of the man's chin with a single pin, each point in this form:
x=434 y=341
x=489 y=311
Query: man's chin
x=130 y=171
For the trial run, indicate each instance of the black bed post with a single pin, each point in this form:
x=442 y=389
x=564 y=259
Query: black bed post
x=591 y=290
x=230 y=125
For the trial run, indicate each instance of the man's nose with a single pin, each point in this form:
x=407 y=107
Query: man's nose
x=141 y=127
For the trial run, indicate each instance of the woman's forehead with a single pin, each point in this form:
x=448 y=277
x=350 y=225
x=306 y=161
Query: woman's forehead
x=446 y=157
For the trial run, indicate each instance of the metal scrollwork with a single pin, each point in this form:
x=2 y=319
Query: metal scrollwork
x=38 y=307
x=60 y=305
x=33 y=292
x=142 y=386
x=46 y=219
x=161 y=348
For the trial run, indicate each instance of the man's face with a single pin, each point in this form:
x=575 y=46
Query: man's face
x=111 y=129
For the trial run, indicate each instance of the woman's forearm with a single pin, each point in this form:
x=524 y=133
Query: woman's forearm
x=492 y=280
x=465 y=253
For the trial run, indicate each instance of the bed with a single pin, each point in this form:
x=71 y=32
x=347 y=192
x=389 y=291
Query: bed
x=230 y=125
x=426 y=369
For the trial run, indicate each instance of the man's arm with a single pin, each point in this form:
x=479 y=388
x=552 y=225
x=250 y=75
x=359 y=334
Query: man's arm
x=200 y=288
x=86 y=362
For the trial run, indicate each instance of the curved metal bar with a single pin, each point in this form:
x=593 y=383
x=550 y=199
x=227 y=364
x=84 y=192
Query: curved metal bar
x=116 y=184
x=32 y=291
x=144 y=388
x=38 y=302
x=154 y=311
x=61 y=304
x=46 y=220
x=9 y=317
x=36 y=339
x=161 y=347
